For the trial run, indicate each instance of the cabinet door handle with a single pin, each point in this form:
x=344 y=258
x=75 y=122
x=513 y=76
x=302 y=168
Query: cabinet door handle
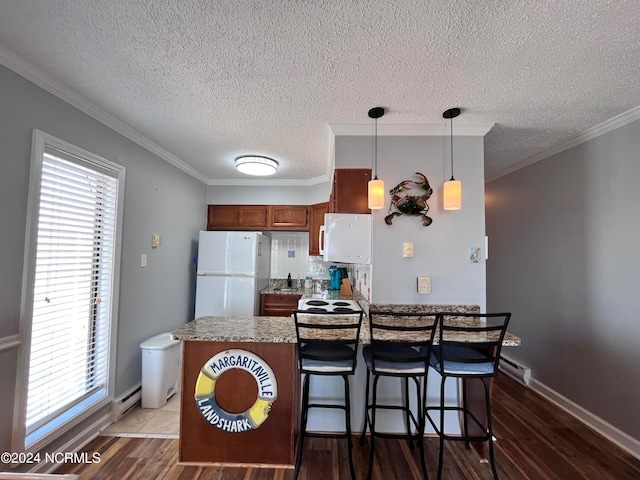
x=321 y=240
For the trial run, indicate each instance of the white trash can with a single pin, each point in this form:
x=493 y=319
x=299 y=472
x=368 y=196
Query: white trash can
x=160 y=369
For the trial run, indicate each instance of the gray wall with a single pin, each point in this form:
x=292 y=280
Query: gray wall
x=441 y=250
x=564 y=259
x=159 y=198
x=268 y=195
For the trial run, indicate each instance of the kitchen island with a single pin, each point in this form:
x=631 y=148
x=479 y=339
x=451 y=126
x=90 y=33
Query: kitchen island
x=239 y=391
x=249 y=414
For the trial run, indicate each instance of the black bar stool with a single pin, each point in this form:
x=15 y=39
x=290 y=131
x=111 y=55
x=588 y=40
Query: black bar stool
x=327 y=345
x=400 y=348
x=477 y=358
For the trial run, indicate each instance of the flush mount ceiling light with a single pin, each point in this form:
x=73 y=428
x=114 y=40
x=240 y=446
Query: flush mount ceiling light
x=376 y=187
x=452 y=188
x=256 y=165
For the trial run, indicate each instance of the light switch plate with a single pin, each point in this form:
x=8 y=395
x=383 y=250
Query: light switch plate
x=407 y=249
x=143 y=260
x=424 y=285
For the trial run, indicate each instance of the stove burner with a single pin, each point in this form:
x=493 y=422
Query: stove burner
x=316 y=302
x=316 y=310
x=343 y=310
x=341 y=304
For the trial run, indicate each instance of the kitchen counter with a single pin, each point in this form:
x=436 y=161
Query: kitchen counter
x=282 y=329
x=219 y=424
x=281 y=301
x=238 y=329
x=239 y=391
x=305 y=292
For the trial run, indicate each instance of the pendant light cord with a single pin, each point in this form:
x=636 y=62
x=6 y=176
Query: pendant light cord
x=376 y=151
x=451 y=137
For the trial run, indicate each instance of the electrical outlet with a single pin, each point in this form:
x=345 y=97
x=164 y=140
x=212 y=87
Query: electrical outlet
x=155 y=240
x=143 y=260
x=424 y=285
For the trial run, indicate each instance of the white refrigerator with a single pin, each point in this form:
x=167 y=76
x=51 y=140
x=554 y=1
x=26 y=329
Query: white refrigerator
x=232 y=268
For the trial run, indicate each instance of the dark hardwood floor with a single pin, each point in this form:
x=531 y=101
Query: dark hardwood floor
x=536 y=440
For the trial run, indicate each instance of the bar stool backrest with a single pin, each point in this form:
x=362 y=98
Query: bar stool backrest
x=479 y=333
x=392 y=332
x=330 y=337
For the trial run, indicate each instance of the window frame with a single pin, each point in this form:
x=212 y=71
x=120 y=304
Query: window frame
x=40 y=142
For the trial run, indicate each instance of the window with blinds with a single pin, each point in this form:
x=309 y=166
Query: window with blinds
x=73 y=288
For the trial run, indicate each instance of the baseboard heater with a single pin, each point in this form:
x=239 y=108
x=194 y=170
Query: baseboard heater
x=129 y=400
x=515 y=370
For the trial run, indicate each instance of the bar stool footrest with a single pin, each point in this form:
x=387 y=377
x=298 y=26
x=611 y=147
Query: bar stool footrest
x=461 y=437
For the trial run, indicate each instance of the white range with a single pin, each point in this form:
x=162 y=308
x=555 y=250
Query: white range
x=320 y=305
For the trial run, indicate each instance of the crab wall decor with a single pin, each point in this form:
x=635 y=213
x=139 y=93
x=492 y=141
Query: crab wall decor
x=410 y=198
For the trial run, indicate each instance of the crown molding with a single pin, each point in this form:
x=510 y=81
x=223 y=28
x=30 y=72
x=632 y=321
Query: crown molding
x=410 y=130
x=594 y=132
x=15 y=62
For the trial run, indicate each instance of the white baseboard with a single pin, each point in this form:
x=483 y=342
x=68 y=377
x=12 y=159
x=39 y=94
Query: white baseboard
x=126 y=402
x=613 y=434
x=515 y=370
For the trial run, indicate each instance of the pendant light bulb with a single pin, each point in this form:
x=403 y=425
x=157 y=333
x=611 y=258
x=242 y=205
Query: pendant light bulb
x=376 y=194
x=452 y=195
x=452 y=188
x=375 y=191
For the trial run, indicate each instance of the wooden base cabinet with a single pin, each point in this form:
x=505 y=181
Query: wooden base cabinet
x=278 y=305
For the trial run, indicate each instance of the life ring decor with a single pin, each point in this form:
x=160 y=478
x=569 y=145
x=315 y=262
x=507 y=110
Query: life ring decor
x=206 y=390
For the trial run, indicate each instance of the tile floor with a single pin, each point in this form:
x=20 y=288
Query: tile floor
x=163 y=422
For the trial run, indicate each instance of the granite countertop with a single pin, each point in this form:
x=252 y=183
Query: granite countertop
x=304 y=292
x=269 y=329
x=238 y=329
x=423 y=308
x=285 y=291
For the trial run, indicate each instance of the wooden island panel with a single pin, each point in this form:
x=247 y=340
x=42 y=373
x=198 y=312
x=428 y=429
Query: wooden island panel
x=273 y=442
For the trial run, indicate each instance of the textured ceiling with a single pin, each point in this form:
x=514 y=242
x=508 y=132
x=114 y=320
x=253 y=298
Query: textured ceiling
x=207 y=81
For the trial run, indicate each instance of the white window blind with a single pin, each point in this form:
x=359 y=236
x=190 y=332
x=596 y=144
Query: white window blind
x=71 y=323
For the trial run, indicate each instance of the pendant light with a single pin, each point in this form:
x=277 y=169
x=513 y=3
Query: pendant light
x=376 y=187
x=452 y=188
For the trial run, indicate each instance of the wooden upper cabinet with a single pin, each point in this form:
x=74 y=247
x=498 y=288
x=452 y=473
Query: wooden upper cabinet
x=254 y=216
x=222 y=216
x=348 y=195
x=349 y=190
x=237 y=217
x=316 y=220
x=258 y=217
x=289 y=217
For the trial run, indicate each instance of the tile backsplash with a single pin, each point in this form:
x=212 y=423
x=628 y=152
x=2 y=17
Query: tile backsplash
x=290 y=254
